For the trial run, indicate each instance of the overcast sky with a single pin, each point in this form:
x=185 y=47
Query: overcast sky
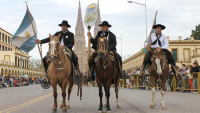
x=179 y=17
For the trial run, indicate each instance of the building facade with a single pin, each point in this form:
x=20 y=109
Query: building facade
x=183 y=51
x=80 y=48
x=11 y=62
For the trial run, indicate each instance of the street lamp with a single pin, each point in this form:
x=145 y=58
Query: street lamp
x=145 y=11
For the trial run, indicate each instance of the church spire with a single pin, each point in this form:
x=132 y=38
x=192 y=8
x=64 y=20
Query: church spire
x=97 y=28
x=79 y=30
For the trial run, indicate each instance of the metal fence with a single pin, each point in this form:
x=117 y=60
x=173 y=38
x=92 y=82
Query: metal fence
x=144 y=82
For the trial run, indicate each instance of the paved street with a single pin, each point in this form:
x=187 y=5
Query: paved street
x=34 y=99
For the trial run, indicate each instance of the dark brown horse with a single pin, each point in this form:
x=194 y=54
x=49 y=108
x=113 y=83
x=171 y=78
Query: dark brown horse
x=106 y=70
x=59 y=72
x=158 y=70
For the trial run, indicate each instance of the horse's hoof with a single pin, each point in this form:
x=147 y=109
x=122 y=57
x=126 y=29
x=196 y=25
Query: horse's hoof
x=54 y=110
x=100 y=111
x=104 y=106
x=64 y=111
x=61 y=106
x=68 y=106
x=152 y=106
x=118 y=106
x=164 y=107
x=108 y=111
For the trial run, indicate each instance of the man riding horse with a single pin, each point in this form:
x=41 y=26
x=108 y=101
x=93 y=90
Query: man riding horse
x=66 y=40
x=112 y=42
x=159 y=40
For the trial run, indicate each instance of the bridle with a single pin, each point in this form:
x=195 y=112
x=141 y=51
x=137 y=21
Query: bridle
x=103 y=48
x=52 y=50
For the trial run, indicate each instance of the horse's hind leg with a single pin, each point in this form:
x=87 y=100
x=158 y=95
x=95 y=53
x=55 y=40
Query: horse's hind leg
x=117 y=92
x=54 y=109
x=153 y=103
x=100 y=96
x=163 y=93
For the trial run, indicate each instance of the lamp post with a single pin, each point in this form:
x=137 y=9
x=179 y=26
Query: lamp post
x=145 y=12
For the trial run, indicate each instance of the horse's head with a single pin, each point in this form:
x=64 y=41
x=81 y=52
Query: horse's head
x=158 y=59
x=54 y=46
x=102 y=47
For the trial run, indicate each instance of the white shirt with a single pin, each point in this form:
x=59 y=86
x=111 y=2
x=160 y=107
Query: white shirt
x=62 y=42
x=163 y=39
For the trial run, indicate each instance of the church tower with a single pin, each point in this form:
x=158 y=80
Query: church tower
x=97 y=27
x=80 y=45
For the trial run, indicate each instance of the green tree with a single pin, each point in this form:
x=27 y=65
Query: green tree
x=196 y=32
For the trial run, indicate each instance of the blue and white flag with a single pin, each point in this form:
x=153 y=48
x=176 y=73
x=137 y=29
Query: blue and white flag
x=144 y=49
x=24 y=37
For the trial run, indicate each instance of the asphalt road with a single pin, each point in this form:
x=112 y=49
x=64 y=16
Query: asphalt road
x=34 y=99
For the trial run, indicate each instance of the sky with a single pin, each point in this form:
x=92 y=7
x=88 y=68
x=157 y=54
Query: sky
x=127 y=19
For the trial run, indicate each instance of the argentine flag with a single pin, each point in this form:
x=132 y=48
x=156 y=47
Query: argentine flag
x=24 y=37
x=144 y=49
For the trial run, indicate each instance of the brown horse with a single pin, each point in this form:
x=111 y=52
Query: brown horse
x=158 y=70
x=59 y=72
x=106 y=70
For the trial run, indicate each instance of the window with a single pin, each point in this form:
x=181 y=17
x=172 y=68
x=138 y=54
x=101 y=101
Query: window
x=186 y=53
x=77 y=46
x=81 y=46
x=174 y=54
x=2 y=37
x=6 y=38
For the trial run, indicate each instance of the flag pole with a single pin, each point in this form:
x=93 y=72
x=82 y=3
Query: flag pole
x=88 y=52
x=36 y=38
x=148 y=40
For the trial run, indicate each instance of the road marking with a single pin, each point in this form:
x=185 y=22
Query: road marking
x=27 y=103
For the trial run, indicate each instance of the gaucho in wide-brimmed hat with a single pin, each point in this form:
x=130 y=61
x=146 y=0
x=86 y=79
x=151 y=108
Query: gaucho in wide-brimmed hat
x=160 y=40
x=112 y=43
x=66 y=40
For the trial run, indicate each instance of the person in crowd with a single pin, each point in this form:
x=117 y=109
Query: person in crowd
x=184 y=78
x=1 y=81
x=190 y=78
x=195 y=71
x=11 y=81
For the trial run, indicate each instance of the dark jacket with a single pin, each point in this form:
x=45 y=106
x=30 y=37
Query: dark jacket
x=111 y=40
x=68 y=39
x=195 y=69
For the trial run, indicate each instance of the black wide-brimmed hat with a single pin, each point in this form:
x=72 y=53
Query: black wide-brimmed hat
x=159 y=25
x=64 y=22
x=105 y=23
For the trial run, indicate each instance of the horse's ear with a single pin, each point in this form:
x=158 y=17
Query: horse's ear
x=50 y=36
x=151 y=51
x=59 y=35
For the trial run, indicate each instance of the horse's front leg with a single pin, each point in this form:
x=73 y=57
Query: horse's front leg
x=54 y=109
x=100 y=96
x=64 y=109
x=108 y=110
x=163 y=93
x=153 y=101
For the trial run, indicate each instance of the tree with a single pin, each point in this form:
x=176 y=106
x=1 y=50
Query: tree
x=36 y=63
x=196 y=32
